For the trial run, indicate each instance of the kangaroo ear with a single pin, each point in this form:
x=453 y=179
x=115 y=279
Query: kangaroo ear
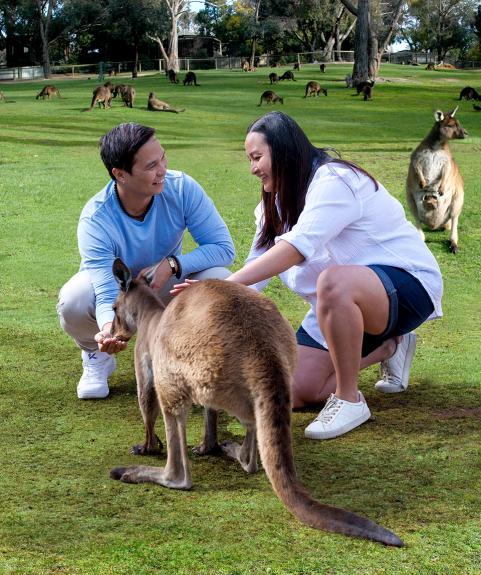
x=438 y=116
x=122 y=274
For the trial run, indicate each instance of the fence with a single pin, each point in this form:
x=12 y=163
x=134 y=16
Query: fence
x=24 y=73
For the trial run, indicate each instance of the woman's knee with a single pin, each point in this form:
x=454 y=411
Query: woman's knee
x=330 y=287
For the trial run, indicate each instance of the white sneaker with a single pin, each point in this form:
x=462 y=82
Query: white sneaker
x=338 y=417
x=98 y=366
x=395 y=370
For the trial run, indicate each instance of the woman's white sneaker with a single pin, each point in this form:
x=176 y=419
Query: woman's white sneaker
x=395 y=370
x=98 y=367
x=338 y=417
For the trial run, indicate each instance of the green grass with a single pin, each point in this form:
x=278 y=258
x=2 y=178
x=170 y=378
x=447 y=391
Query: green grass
x=416 y=468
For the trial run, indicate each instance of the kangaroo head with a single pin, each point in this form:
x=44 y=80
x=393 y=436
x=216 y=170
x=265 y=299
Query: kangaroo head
x=449 y=127
x=124 y=324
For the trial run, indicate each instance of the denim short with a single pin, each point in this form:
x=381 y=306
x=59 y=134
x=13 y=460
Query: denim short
x=409 y=306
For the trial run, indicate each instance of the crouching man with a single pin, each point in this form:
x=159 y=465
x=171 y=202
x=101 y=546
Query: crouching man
x=140 y=216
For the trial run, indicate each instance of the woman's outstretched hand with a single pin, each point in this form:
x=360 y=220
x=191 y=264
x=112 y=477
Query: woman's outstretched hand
x=181 y=287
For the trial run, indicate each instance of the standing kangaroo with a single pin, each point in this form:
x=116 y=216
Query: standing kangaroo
x=434 y=186
x=127 y=93
x=101 y=96
x=49 y=90
x=270 y=97
x=273 y=78
x=224 y=346
x=190 y=79
x=314 y=89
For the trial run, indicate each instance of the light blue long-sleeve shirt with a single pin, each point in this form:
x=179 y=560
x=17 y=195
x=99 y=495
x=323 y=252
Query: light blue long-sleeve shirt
x=106 y=231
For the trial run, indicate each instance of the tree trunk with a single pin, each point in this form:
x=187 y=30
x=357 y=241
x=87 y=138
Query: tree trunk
x=360 y=72
x=135 y=69
x=44 y=23
x=254 y=39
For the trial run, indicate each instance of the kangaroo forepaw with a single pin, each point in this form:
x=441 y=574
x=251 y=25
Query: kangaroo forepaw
x=453 y=248
x=207 y=449
x=145 y=449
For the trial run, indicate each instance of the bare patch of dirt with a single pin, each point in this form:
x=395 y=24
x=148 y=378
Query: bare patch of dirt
x=459 y=412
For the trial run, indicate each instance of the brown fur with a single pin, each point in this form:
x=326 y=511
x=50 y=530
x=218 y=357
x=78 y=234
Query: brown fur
x=224 y=346
x=469 y=93
x=127 y=93
x=246 y=66
x=101 y=96
x=270 y=97
x=2 y=97
x=322 y=68
x=430 y=66
x=361 y=85
x=314 y=89
x=172 y=75
x=156 y=105
x=190 y=79
x=434 y=186
x=296 y=66
x=287 y=76
x=49 y=90
x=273 y=78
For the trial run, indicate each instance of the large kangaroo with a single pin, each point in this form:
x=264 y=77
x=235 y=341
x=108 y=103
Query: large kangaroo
x=101 y=96
x=314 y=89
x=190 y=79
x=48 y=91
x=224 y=346
x=155 y=105
x=434 y=186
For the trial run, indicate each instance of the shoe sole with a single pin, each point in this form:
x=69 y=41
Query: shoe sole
x=341 y=431
x=384 y=387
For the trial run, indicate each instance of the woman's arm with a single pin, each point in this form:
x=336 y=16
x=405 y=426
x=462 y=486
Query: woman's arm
x=275 y=260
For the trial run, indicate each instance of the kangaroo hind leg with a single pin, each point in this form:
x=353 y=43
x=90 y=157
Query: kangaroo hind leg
x=245 y=454
x=209 y=444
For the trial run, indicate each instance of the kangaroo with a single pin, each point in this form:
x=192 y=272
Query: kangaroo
x=155 y=105
x=287 y=76
x=246 y=66
x=103 y=96
x=49 y=90
x=2 y=97
x=434 y=186
x=127 y=93
x=172 y=75
x=469 y=93
x=273 y=78
x=314 y=89
x=322 y=68
x=270 y=97
x=296 y=66
x=367 y=91
x=477 y=108
x=225 y=346
x=361 y=85
x=190 y=79
x=349 y=81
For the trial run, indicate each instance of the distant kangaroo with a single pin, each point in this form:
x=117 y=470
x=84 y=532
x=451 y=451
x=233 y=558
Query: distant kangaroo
x=273 y=78
x=322 y=68
x=155 y=105
x=49 y=90
x=287 y=76
x=222 y=345
x=2 y=97
x=367 y=91
x=101 y=96
x=469 y=93
x=190 y=79
x=477 y=108
x=314 y=89
x=270 y=97
x=434 y=186
x=172 y=75
x=127 y=93
x=361 y=85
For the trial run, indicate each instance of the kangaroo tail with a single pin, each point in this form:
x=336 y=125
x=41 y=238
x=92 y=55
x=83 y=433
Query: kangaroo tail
x=275 y=448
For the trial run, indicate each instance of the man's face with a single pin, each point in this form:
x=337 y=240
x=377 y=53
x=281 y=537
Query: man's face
x=148 y=171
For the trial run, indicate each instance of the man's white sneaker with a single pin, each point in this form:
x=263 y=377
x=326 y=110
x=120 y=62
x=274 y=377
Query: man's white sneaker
x=338 y=417
x=98 y=366
x=395 y=370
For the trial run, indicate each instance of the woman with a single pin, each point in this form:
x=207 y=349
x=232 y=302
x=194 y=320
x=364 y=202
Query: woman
x=338 y=239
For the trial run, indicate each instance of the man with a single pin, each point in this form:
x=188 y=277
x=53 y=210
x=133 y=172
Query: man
x=140 y=216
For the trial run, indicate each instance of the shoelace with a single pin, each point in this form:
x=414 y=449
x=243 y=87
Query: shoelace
x=330 y=409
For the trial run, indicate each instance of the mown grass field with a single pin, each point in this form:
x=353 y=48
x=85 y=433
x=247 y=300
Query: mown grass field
x=415 y=468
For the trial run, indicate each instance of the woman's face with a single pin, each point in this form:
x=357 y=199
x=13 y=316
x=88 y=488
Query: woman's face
x=259 y=156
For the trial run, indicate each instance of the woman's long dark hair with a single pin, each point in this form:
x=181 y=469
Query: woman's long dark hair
x=294 y=162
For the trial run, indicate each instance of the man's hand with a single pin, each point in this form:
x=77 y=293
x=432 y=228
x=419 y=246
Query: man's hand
x=162 y=274
x=181 y=287
x=107 y=342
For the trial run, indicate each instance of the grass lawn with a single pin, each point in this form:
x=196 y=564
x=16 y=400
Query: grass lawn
x=415 y=468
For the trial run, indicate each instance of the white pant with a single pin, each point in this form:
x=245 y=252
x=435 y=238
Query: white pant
x=76 y=304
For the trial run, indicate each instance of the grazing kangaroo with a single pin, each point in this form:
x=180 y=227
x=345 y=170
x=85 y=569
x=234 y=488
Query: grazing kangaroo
x=322 y=68
x=224 y=346
x=469 y=93
x=190 y=79
x=287 y=76
x=49 y=90
x=101 y=96
x=155 y=105
x=296 y=66
x=172 y=75
x=270 y=97
x=127 y=93
x=314 y=89
x=434 y=186
x=367 y=91
x=273 y=78
x=361 y=85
